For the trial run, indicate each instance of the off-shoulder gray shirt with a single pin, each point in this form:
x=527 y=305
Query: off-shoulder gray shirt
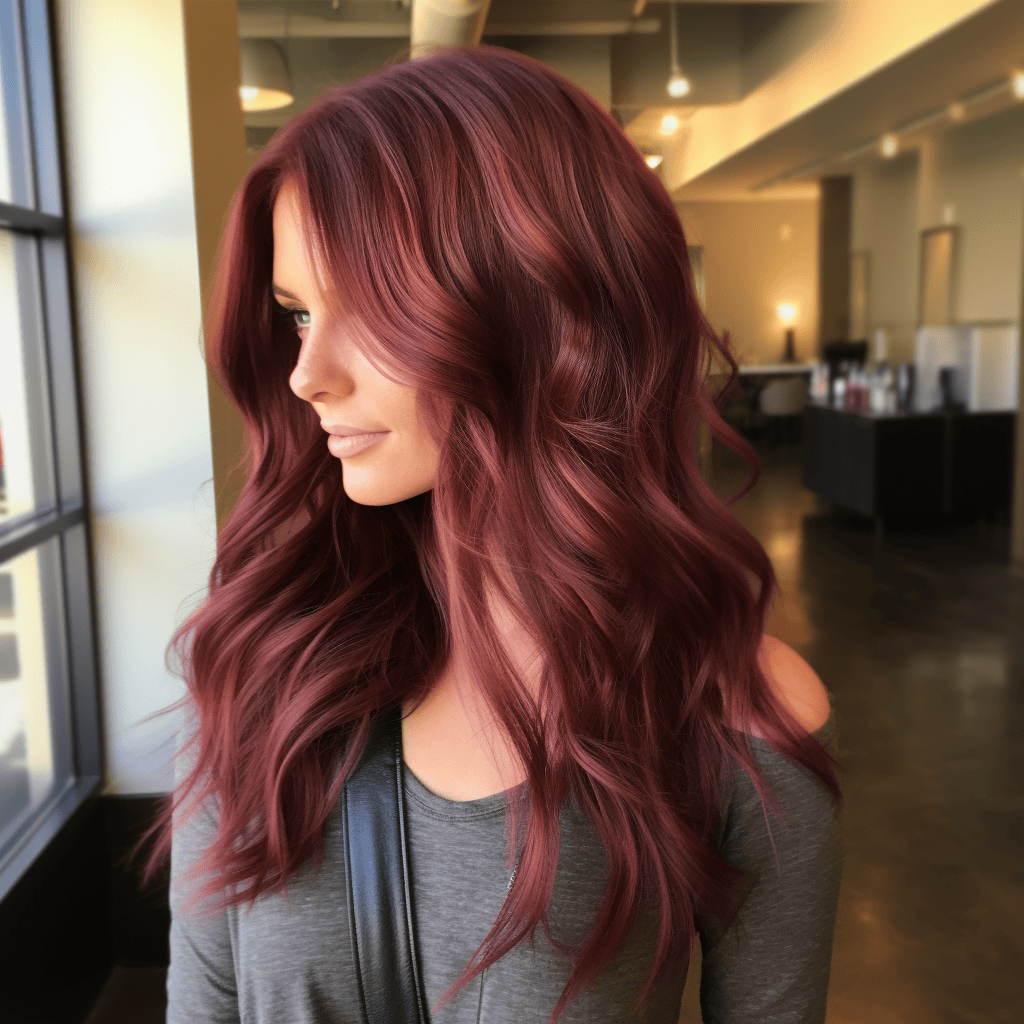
x=291 y=962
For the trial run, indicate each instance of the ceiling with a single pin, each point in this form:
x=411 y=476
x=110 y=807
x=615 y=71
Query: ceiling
x=727 y=49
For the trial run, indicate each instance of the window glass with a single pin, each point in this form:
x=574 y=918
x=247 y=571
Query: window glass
x=26 y=733
x=5 y=165
x=17 y=491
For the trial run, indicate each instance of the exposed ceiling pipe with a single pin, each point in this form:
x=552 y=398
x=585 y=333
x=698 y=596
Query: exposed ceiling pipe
x=446 y=23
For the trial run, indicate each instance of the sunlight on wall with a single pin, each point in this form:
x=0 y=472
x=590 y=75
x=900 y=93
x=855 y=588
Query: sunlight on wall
x=147 y=424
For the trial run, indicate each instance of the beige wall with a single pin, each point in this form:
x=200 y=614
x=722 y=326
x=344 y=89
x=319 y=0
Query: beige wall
x=756 y=255
x=976 y=175
x=971 y=176
x=884 y=224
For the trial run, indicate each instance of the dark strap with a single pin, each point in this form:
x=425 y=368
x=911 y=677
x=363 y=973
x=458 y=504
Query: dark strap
x=379 y=887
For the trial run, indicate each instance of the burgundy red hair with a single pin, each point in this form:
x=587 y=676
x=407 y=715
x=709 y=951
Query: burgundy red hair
x=511 y=254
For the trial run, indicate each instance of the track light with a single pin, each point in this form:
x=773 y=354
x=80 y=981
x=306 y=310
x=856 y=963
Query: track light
x=888 y=145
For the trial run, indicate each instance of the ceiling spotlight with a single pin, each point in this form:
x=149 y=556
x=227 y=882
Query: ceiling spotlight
x=669 y=123
x=266 y=84
x=888 y=145
x=678 y=83
x=956 y=111
x=653 y=160
x=1017 y=84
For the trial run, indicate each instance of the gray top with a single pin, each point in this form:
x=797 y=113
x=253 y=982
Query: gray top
x=290 y=960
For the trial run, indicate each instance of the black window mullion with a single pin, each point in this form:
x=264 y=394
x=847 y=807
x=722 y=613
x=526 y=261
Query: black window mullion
x=19 y=218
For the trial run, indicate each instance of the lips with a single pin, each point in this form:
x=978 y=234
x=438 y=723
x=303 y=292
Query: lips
x=349 y=444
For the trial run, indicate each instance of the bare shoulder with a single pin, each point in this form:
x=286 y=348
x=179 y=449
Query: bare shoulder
x=795 y=683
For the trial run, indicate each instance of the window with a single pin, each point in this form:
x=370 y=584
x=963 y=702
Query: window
x=49 y=725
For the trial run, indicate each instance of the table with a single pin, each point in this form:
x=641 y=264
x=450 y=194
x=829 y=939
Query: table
x=775 y=369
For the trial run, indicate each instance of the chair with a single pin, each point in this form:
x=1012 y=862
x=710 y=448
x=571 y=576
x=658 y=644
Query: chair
x=781 y=400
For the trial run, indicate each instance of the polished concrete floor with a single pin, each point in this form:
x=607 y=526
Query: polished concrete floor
x=921 y=644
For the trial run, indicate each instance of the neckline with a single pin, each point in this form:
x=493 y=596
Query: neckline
x=494 y=804
x=488 y=806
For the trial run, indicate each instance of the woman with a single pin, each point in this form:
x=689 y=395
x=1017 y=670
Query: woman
x=462 y=271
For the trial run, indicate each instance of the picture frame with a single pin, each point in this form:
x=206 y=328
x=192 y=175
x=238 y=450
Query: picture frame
x=936 y=294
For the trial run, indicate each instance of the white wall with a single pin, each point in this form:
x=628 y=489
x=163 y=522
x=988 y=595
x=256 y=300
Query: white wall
x=147 y=430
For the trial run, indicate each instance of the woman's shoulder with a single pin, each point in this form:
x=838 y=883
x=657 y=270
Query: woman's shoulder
x=796 y=685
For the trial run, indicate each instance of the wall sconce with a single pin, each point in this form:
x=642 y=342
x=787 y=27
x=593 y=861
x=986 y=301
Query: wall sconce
x=787 y=314
x=888 y=145
x=669 y=123
x=266 y=84
x=1017 y=84
x=653 y=161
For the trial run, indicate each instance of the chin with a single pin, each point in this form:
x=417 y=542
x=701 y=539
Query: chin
x=383 y=495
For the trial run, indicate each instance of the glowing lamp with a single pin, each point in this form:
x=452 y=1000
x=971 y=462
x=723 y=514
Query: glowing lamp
x=653 y=160
x=787 y=312
x=266 y=84
x=669 y=123
x=889 y=145
x=1017 y=84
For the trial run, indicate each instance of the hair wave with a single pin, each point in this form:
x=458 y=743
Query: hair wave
x=512 y=255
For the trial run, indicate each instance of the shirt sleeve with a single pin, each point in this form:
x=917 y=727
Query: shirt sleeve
x=771 y=966
x=201 y=986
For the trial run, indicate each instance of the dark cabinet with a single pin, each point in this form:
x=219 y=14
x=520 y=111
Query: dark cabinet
x=909 y=466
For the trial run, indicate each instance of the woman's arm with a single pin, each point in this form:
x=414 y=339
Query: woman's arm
x=201 y=986
x=772 y=964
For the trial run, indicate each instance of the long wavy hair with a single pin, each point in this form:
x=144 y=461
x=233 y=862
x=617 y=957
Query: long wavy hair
x=512 y=255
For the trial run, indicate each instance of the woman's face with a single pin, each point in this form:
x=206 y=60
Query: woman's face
x=393 y=457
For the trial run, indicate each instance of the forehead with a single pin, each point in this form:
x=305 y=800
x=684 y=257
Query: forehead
x=294 y=256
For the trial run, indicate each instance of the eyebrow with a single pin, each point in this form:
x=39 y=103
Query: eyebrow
x=278 y=290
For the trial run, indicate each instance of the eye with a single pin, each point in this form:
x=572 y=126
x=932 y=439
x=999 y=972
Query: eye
x=293 y=316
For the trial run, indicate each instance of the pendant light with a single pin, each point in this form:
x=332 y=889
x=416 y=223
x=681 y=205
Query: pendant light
x=266 y=84
x=678 y=84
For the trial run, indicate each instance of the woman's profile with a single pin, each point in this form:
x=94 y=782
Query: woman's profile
x=454 y=308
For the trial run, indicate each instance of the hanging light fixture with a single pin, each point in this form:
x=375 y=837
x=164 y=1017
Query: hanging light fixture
x=266 y=83
x=678 y=84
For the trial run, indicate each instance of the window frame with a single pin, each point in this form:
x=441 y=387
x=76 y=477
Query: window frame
x=37 y=222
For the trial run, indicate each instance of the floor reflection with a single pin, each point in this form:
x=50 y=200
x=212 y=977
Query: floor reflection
x=921 y=645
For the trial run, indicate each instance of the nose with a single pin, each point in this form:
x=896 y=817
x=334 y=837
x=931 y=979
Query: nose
x=319 y=370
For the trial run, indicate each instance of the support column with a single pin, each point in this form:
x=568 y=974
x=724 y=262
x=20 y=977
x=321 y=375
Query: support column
x=834 y=258
x=218 y=165
x=1017 y=512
